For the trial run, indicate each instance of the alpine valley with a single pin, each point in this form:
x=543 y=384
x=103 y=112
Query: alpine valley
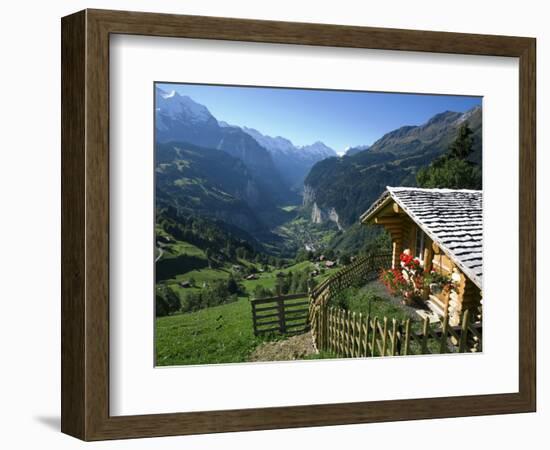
x=217 y=182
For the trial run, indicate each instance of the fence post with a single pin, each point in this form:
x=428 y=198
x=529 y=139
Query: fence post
x=324 y=325
x=253 y=305
x=350 y=334
x=353 y=336
x=464 y=331
x=334 y=330
x=394 y=337
x=315 y=326
x=385 y=338
x=443 y=342
x=327 y=340
x=407 y=335
x=337 y=331
x=281 y=311
x=425 y=330
x=321 y=329
x=366 y=337
x=360 y=336
x=342 y=333
x=374 y=331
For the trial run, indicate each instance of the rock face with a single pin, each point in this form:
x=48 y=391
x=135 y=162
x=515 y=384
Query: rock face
x=333 y=217
x=319 y=215
x=316 y=214
x=308 y=195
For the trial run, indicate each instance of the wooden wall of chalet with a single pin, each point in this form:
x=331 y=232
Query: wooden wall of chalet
x=403 y=231
x=464 y=295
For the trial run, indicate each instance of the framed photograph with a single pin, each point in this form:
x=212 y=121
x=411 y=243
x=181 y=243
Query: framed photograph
x=273 y=225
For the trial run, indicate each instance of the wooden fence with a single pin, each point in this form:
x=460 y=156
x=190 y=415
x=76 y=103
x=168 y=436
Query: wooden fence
x=287 y=314
x=362 y=270
x=346 y=334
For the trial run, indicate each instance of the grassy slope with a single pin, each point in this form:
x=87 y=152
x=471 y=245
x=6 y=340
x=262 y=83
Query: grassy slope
x=221 y=334
x=175 y=250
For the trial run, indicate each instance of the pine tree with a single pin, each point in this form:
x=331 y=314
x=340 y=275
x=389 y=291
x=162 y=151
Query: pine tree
x=453 y=170
x=462 y=146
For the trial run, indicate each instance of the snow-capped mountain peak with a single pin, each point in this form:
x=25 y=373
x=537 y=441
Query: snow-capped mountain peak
x=318 y=148
x=174 y=105
x=273 y=144
x=224 y=124
x=170 y=94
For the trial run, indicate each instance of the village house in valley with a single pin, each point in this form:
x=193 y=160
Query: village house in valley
x=443 y=229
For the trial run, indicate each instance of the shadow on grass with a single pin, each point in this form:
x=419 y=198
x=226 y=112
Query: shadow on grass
x=170 y=267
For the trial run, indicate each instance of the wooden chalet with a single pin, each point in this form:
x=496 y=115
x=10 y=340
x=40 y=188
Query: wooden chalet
x=443 y=229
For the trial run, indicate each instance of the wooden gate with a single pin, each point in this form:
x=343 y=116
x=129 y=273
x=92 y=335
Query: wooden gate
x=286 y=314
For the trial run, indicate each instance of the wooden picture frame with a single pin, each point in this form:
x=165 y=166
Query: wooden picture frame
x=85 y=224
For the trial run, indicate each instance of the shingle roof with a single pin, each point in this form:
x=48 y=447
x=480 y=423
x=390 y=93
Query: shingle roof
x=451 y=217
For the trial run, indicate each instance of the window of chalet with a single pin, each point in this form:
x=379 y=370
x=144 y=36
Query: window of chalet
x=420 y=245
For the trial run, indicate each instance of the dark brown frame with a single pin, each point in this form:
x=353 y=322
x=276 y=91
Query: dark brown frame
x=85 y=224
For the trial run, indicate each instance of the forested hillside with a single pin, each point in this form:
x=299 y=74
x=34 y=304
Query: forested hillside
x=351 y=183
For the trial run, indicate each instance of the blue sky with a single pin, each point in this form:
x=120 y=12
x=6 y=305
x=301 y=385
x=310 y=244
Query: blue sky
x=338 y=118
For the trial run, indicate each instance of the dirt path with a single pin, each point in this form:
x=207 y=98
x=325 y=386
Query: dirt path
x=295 y=347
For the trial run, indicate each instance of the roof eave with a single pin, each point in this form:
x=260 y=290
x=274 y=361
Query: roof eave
x=380 y=203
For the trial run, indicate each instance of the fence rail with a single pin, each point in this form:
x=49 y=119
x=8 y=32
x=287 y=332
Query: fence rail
x=287 y=314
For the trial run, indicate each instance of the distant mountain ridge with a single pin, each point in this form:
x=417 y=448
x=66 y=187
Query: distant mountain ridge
x=350 y=151
x=294 y=162
x=276 y=144
x=432 y=135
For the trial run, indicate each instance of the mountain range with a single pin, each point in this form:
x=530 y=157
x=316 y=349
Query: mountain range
x=253 y=182
x=275 y=161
